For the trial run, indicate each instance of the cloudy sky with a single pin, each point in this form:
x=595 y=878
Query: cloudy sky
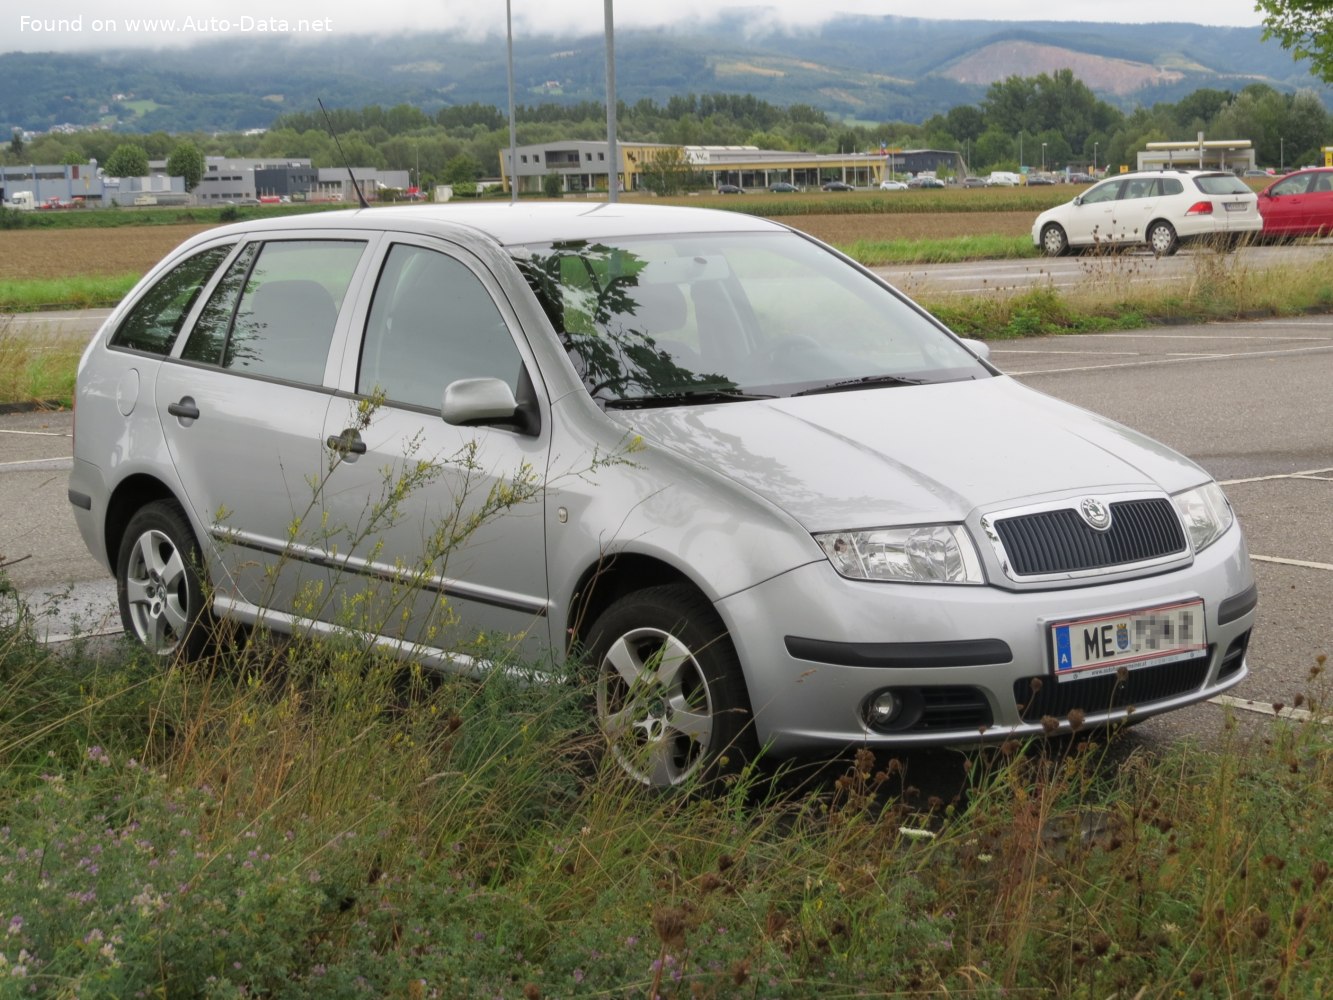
x=63 y=25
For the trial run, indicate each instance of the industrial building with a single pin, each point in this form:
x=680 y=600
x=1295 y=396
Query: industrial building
x=582 y=165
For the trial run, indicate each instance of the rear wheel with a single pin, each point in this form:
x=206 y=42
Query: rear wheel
x=670 y=697
x=157 y=582
x=1162 y=239
x=1054 y=242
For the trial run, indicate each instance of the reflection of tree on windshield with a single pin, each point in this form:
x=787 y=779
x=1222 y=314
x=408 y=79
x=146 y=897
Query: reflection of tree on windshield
x=592 y=295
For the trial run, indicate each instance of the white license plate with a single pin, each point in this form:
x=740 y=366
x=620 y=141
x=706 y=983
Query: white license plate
x=1236 y=206
x=1147 y=637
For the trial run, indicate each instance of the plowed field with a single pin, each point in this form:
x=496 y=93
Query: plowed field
x=57 y=253
x=62 y=253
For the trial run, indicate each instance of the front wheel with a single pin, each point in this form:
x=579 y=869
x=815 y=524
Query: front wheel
x=670 y=697
x=157 y=582
x=1054 y=242
x=1162 y=239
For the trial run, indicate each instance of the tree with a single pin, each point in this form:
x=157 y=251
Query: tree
x=186 y=161
x=128 y=160
x=1304 y=28
x=16 y=142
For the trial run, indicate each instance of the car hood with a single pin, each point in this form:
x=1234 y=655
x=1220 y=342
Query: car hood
x=912 y=454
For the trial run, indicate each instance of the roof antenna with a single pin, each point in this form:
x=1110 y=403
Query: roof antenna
x=350 y=176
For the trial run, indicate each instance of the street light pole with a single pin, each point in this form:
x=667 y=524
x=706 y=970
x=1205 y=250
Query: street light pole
x=1043 y=157
x=613 y=180
x=513 y=130
x=1282 y=154
x=1094 y=159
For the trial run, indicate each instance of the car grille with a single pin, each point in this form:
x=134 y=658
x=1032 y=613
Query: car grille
x=1060 y=541
x=1099 y=694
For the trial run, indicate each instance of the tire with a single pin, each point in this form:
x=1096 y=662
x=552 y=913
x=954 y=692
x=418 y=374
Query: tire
x=1162 y=239
x=1054 y=242
x=670 y=697
x=157 y=582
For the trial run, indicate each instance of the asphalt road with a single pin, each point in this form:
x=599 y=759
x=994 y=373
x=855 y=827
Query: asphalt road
x=1251 y=402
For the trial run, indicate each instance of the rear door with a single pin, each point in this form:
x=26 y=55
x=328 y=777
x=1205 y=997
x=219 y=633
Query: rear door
x=242 y=407
x=437 y=531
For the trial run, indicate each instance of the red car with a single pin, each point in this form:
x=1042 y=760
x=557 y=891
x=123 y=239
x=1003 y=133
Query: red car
x=1299 y=204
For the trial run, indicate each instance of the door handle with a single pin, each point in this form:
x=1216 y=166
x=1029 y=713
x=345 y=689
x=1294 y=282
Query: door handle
x=185 y=409
x=347 y=443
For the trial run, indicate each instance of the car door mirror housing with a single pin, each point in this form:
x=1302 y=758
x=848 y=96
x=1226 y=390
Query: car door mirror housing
x=978 y=347
x=478 y=401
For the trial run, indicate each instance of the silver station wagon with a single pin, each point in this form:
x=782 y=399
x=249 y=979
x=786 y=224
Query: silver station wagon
x=765 y=499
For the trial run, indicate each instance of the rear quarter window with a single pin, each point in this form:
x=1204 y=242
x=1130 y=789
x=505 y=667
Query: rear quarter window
x=154 y=322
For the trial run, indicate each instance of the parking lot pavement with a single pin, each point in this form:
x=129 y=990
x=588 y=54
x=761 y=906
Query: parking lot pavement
x=67 y=590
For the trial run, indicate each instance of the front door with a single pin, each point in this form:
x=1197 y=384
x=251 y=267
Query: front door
x=437 y=531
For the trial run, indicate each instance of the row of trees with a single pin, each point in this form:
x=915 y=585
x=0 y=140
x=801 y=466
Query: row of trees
x=1052 y=120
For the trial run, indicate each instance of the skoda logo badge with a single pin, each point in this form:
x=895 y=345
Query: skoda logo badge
x=1096 y=513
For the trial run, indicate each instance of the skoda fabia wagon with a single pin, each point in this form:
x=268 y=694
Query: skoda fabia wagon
x=765 y=500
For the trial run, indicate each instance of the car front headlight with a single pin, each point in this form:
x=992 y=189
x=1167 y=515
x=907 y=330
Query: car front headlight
x=1205 y=514
x=932 y=553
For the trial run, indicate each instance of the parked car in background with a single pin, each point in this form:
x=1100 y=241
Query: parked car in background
x=974 y=182
x=837 y=186
x=1156 y=209
x=777 y=564
x=1003 y=178
x=1299 y=204
x=1035 y=179
x=925 y=182
x=782 y=187
x=892 y=186
x=1081 y=178
x=730 y=189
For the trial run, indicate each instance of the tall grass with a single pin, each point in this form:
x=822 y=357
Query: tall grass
x=305 y=819
x=74 y=292
x=37 y=370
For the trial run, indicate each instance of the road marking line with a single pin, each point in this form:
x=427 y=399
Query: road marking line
x=1280 y=475
x=1176 y=361
x=1302 y=563
x=39 y=464
x=1298 y=714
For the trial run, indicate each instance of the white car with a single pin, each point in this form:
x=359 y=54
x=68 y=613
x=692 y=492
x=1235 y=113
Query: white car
x=892 y=186
x=1159 y=209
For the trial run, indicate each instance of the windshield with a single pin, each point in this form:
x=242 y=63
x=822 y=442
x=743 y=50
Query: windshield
x=709 y=317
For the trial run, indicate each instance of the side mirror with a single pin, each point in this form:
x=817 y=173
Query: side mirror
x=978 y=347
x=1078 y=200
x=478 y=400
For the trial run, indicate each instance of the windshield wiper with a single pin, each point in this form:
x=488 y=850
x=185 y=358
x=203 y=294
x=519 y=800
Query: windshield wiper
x=689 y=397
x=864 y=382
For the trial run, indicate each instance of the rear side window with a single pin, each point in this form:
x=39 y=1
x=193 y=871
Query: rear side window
x=1171 y=185
x=154 y=322
x=274 y=311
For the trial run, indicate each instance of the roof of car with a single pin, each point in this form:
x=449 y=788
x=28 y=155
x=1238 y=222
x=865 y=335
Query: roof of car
x=527 y=222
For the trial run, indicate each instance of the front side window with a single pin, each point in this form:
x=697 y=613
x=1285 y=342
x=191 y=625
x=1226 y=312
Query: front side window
x=154 y=322
x=1103 y=192
x=274 y=311
x=432 y=322
x=1290 y=186
x=665 y=320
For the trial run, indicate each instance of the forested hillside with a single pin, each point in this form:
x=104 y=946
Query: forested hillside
x=854 y=69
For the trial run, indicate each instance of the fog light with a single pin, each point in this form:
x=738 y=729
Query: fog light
x=882 y=708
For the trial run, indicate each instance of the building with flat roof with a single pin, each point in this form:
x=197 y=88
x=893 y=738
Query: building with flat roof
x=582 y=165
x=1202 y=154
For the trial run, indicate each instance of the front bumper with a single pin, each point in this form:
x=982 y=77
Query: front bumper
x=816 y=647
